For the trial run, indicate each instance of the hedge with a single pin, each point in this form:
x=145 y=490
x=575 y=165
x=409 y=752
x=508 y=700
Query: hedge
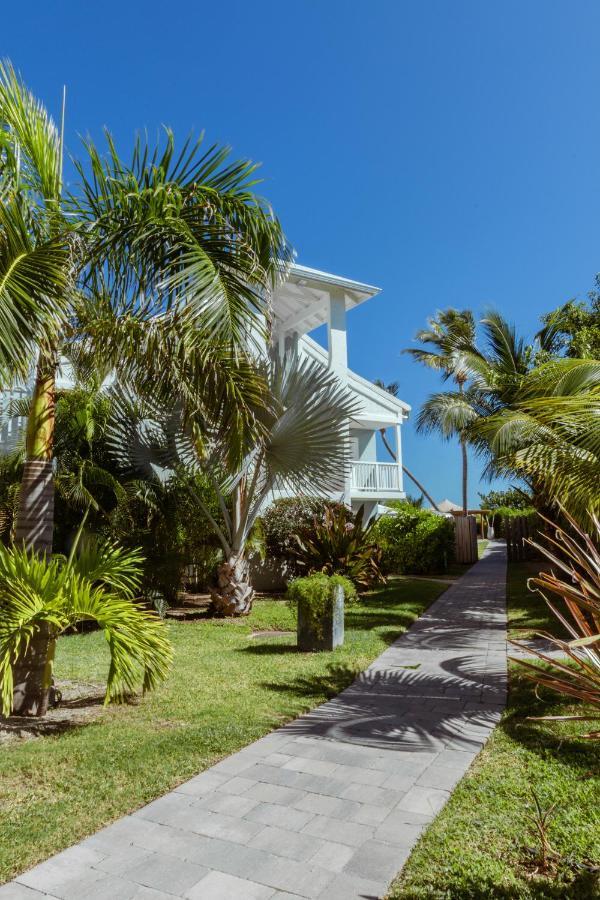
x=415 y=542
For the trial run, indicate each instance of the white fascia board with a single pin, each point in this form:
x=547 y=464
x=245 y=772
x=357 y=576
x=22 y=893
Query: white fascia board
x=335 y=280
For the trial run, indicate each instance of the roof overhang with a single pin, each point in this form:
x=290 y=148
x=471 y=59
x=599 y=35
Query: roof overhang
x=301 y=302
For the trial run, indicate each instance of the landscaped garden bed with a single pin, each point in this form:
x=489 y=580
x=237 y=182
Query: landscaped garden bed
x=484 y=843
x=227 y=688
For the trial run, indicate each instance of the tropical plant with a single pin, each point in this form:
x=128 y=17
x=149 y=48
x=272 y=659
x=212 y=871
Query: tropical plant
x=287 y=517
x=573 y=584
x=449 y=335
x=573 y=329
x=299 y=445
x=176 y=255
x=393 y=389
x=342 y=544
x=40 y=598
x=414 y=541
x=548 y=434
x=512 y=498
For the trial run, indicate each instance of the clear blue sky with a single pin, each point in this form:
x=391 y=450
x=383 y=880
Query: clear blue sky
x=446 y=151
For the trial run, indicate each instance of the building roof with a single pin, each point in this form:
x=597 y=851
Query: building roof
x=300 y=303
x=448 y=506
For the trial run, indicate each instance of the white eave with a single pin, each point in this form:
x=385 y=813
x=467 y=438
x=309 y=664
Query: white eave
x=301 y=302
x=392 y=408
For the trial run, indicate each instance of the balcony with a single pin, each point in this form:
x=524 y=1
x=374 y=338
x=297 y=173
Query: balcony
x=376 y=478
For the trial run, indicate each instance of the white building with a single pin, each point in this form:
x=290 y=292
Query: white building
x=307 y=300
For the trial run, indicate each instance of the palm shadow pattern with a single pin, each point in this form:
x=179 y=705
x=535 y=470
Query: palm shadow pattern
x=441 y=685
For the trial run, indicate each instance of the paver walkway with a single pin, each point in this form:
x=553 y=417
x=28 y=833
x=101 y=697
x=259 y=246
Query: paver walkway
x=330 y=805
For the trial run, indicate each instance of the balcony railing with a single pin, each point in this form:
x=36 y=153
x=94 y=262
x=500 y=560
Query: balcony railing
x=375 y=476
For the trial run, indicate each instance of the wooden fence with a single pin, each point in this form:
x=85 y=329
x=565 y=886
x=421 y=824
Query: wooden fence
x=466 y=539
x=517 y=530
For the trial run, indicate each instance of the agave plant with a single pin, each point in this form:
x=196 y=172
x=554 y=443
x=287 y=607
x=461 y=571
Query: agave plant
x=41 y=597
x=575 y=580
x=341 y=543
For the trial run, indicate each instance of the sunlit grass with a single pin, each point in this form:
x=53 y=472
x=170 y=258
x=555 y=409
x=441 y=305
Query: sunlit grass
x=227 y=689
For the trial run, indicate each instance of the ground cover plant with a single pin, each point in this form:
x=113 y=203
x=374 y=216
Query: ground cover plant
x=227 y=688
x=485 y=843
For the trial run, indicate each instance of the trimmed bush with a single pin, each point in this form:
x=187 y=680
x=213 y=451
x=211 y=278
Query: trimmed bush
x=415 y=541
x=320 y=609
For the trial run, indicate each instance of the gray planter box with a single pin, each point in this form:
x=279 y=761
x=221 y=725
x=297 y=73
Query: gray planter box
x=330 y=631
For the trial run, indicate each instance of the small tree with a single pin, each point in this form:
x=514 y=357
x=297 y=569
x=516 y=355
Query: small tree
x=299 y=445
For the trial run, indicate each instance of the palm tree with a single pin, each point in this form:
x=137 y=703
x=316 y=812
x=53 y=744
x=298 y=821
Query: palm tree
x=548 y=434
x=393 y=389
x=179 y=239
x=41 y=597
x=299 y=445
x=451 y=336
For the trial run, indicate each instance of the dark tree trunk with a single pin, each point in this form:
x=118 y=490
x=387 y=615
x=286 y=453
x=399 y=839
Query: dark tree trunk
x=234 y=594
x=465 y=465
x=35 y=516
x=407 y=471
x=32 y=674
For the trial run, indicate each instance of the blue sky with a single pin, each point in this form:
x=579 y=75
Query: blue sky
x=446 y=151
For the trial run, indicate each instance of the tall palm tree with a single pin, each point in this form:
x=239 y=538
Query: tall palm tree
x=393 y=389
x=447 y=340
x=300 y=446
x=179 y=240
x=548 y=434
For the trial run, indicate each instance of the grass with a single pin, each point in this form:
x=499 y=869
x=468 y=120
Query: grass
x=527 y=611
x=226 y=690
x=483 y=845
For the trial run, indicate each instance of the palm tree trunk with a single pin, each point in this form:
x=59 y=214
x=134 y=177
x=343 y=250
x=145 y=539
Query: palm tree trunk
x=465 y=465
x=35 y=516
x=406 y=471
x=32 y=674
x=234 y=594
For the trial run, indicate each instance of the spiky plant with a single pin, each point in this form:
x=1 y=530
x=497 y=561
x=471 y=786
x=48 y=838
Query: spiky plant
x=40 y=598
x=340 y=543
x=573 y=584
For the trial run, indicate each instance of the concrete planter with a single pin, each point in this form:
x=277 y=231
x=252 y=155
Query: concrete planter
x=327 y=632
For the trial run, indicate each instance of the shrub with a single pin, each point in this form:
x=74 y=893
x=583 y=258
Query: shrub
x=415 y=541
x=508 y=512
x=316 y=593
x=288 y=517
x=341 y=543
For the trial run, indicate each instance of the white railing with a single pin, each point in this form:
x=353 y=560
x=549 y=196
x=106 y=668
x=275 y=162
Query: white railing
x=375 y=476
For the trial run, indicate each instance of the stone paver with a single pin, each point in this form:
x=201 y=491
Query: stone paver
x=330 y=805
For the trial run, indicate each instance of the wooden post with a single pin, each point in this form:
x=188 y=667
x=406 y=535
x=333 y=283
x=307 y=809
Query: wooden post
x=466 y=539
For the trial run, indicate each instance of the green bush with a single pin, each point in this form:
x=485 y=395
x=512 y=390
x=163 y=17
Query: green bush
x=316 y=594
x=508 y=512
x=415 y=541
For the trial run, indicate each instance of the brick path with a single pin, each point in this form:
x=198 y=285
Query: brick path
x=330 y=805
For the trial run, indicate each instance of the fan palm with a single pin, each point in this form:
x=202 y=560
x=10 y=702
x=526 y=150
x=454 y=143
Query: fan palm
x=41 y=597
x=447 y=340
x=300 y=446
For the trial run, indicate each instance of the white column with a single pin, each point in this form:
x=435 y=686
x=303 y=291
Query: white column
x=399 y=456
x=336 y=332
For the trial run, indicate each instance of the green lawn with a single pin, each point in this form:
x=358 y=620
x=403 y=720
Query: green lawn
x=482 y=845
x=226 y=690
x=527 y=611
